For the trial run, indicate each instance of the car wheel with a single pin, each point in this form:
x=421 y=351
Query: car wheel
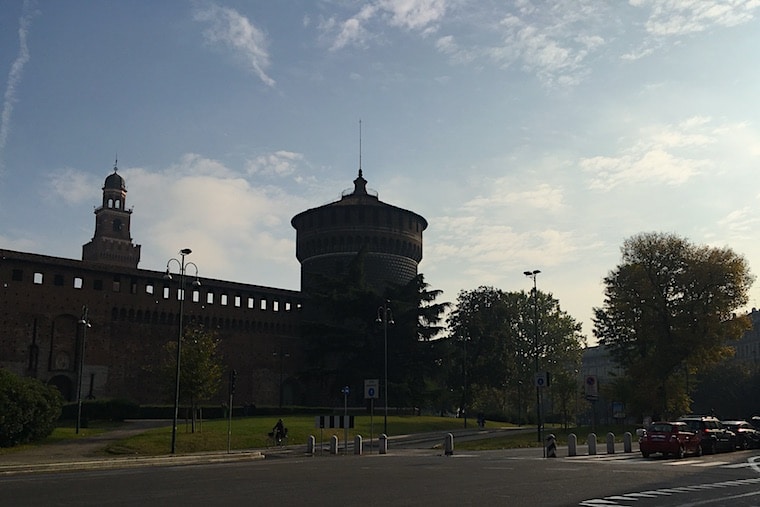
x=698 y=451
x=709 y=448
x=681 y=453
x=645 y=454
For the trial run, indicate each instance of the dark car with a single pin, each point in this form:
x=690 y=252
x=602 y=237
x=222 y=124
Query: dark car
x=714 y=436
x=747 y=437
x=669 y=438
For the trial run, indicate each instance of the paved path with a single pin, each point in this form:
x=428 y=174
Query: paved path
x=83 y=448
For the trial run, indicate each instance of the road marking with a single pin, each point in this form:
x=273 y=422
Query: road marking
x=712 y=464
x=613 y=500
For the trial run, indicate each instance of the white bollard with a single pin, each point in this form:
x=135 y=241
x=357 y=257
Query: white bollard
x=383 y=443
x=448 y=444
x=311 y=444
x=591 y=444
x=334 y=444
x=627 y=442
x=358 y=445
x=572 y=443
x=551 y=446
x=610 y=443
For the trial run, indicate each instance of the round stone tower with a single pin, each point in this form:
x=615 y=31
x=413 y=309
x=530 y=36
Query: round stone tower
x=329 y=237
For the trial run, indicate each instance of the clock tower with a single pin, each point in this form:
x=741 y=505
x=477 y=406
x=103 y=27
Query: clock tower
x=112 y=242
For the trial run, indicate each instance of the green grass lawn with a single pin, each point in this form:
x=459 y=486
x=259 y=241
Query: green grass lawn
x=251 y=433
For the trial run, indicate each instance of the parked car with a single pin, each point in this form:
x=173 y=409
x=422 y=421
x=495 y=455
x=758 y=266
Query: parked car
x=714 y=436
x=755 y=421
x=670 y=438
x=747 y=437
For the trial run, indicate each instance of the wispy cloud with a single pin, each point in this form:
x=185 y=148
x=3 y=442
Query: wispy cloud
x=14 y=77
x=668 y=19
x=412 y=15
x=232 y=29
x=279 y=163
x=677 y=17
x=659 y=156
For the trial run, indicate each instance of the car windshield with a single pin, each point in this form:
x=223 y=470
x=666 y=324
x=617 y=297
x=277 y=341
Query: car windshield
x=661 y=428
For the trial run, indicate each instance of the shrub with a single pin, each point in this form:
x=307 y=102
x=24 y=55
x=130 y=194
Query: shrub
x=28 y=409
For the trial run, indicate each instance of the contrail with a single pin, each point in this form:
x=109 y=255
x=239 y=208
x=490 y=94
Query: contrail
x=14 y=77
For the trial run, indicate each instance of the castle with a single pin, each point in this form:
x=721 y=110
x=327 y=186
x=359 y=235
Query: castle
x=47 y=303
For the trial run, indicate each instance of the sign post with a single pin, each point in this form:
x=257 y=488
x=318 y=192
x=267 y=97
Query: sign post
x=371 y=387
x=345 y=392
x=591 y=387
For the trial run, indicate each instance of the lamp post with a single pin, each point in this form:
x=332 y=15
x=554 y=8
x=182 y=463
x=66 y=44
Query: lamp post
x=181 y=296
x=385 y=316
x=532 y=274
x=282 y=356
x=464 y=382
x=85 y=322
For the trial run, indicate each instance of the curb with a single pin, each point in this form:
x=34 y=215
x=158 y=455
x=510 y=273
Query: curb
x=133 y=462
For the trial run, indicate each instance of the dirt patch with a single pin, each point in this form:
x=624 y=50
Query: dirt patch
x=81 y=448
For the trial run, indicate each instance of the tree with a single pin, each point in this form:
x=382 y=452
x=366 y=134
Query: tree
x=201 y=366
x=495 y=333
x=411 y=351
x=669 y=313
x=345 y=344
x=28 y=409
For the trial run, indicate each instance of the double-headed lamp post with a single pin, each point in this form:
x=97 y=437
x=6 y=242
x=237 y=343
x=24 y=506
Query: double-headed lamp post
x=385 y=317
x=181 y=296
x=532 y=274
x=85 y=322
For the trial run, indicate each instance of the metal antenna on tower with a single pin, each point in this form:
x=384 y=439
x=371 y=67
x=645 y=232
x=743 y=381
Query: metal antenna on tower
x=360 y=146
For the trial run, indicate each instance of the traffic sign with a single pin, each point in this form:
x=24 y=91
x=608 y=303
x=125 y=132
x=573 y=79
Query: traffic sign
x=541 y=379
x=371 y=389
x=591 y=387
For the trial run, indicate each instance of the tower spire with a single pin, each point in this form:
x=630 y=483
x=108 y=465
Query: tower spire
x=360 y=147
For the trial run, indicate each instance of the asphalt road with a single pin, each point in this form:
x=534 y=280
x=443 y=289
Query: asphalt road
x=408 y=477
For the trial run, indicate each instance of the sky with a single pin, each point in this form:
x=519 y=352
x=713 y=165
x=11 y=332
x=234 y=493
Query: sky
x=530 y=134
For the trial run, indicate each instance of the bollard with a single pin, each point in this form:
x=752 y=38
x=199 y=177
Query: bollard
x=334 y=444
x=627 y=442
x=610 y=443
x=383 y=443
x=311 y=443
x=572 y=442
x=591 y=444
x=448 y=444
x=551 y=446
x=358 y=445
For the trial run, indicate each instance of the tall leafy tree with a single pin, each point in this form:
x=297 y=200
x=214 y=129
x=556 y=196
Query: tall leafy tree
x=500 y=342
x=201 y=366
x=411 y=353
x=669 y=313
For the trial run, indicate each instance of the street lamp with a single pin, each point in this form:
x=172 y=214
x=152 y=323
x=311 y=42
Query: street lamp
x=85 y=322
x=282 y=356
x=181 y=296
x=464 y=383
x=385 y=316
x=532 y=274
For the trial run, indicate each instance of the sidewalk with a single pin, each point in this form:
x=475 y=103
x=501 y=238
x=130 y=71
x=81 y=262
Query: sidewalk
x=88 y=453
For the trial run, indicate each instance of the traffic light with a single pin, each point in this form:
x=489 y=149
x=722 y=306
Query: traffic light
x=233 y=378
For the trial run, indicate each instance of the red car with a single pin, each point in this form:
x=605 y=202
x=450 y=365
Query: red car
x=674 y=438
